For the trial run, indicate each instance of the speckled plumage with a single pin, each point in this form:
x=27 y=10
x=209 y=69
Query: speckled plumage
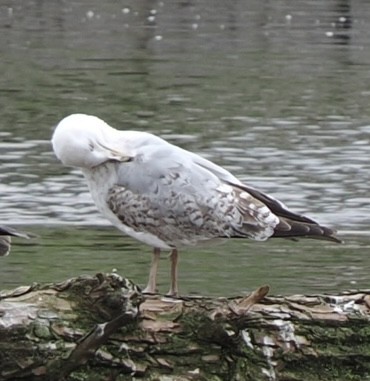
x=184 y=218
x=168 y=197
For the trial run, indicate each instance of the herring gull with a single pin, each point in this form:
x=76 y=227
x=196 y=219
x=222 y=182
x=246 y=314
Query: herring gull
x=167 y=197
x=5 y=241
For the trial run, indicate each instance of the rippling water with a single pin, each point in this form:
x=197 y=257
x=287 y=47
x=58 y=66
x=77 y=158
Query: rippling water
x=278 y=93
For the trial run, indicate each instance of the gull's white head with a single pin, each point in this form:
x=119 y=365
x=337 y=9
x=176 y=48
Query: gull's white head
x=85 y=141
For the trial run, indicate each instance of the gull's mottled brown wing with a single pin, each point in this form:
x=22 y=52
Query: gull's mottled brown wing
x=168 y=195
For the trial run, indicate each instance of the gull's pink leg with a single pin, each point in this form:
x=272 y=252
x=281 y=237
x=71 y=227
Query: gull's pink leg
x=174 y=260
x=151 y=287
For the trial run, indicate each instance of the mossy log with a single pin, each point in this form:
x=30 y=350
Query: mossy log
x=103 y=328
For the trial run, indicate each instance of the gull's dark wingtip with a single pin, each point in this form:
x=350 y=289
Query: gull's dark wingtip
x=290 y=228
x=292 y=225
x=334 y=238
x=8 y=231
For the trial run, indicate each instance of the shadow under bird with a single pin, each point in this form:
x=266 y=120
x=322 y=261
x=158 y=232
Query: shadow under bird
x=5 y=240
x=167 y=197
